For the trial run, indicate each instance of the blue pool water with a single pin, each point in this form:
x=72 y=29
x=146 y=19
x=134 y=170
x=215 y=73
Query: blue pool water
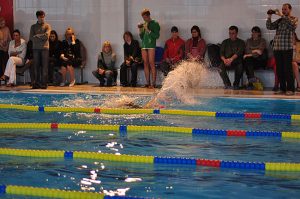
x=159 y=181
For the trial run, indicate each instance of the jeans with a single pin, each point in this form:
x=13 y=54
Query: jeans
x=40 y=66
x=123 y=73
x=238 y=72
x=108 y=75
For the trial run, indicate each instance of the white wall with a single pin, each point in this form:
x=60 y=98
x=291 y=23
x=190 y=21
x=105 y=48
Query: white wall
x=98 y=20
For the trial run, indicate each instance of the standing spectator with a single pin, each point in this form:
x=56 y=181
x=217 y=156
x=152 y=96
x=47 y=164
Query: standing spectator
x=39 y=35
x=70 y=56
x=149 y=33
x=283 y=47
x=232 y=50
x=106 y=65
x=54 y=55
x=173 y=51
x=296 y=61
x=256 y=55
x=195 y=47
x=16 y=52
x=132 y=56
x=5 y=38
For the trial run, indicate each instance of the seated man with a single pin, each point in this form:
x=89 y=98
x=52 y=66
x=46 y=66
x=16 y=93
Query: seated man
x=173 y=52
x=133 y=58
x=106 y=66
x=232 y=50
x=255 y=55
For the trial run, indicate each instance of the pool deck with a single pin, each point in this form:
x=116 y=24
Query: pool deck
x=95 y=89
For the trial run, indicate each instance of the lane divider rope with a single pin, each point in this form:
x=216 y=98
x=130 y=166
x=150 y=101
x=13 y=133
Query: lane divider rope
x=55 y=193
x=265 y=166
x=123 y=129
x=245 y=115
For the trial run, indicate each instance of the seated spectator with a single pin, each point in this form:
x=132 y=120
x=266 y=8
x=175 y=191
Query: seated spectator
x=255 y=55
x=296 y=61
x=232 y=50
x=54 y=55
x=173 y=52
x=16 y=52
x=70 y=56
x=133 y=58
x=106 y=65
x=195 y=47
x=28 y=62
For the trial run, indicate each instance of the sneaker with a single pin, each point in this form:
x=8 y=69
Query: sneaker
x=62 y=84
x=289 y=93
x=72 y=83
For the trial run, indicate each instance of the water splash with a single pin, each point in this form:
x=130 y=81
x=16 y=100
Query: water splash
x=180 y=85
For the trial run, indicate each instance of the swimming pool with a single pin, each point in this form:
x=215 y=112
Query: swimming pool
x=151 y=180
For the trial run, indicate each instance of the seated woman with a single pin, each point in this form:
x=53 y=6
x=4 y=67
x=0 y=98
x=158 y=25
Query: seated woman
x=70 y=56
x=54 y=55
x=133 y=58
x=195 y=47
x=296 y=61
x=106 y=66
x=16 y=52
x=255 y=55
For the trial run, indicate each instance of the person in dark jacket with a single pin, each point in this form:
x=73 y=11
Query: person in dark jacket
x=70 y=56
x=133 y=58
x=54 y=55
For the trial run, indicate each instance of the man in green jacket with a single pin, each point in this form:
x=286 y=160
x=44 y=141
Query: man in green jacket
x=149 y=33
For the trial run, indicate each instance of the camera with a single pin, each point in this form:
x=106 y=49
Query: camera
x=141 y=25
x=271 y=12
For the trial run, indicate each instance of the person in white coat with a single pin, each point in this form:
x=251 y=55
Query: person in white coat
x=16 y=52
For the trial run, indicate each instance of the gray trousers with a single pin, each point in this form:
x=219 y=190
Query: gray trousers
x=40 y=66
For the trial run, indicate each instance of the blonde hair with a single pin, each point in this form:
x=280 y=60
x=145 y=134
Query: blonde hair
x=106 y=43
x=71 y=30
x=145 y=11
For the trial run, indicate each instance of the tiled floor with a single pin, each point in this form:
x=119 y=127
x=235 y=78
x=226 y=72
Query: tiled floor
x=93 y=88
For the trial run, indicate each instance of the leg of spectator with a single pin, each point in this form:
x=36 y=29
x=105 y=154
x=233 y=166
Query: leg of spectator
x=279 y=69
x=146 y=66
x=109 y=76
x=63 y=71
x=99 y=77
x=151 y=54
x=45 y=63
x=288 y=70
x=165 y=68
x=224 y=76
x=31 y=70
x=134 y=68
x=238 y=72
x=10 y=70
x=249 y=68
x=70 y=68
x=123 y=74
x=296 y=73
x=3 y=60
x=36 y=67
x=51 y=69
x=115 y=76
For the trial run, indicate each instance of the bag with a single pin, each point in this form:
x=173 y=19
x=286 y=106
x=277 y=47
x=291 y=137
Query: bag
x=258 y=85
x=214 y=56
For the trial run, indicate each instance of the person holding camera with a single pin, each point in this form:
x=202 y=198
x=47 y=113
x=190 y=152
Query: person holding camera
x=149 y=33
x=283 y=46
x=70 y=56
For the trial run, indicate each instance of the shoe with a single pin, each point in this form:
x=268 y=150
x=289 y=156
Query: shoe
x=279 y=92
x=145 y=86
x=72 y=83
x=297 y=89
x=62 y=84
x=35 y=86
x=236 y=88
x=10 y=85
x=275 y=88
x=124 y=85
x=114 y=84
x=289 y=93
x=44 y=86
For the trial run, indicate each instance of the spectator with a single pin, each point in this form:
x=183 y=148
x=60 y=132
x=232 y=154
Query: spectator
x=16 y=52
x=296 y=61
x=195 y=47
x=28 y=62
x=173 y=52
x=283 y=47
x=149 y=33
x=232 y=50
x=106 y=65
x=39 y=35
x=132 y=56
x=55 y=46
x=5 y=38
x=255 y=55
x=70 y=56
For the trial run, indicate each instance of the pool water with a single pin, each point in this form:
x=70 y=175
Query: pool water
x=158 y=181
